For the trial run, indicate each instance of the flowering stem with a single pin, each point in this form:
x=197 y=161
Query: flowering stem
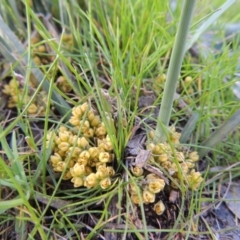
x=174 y=70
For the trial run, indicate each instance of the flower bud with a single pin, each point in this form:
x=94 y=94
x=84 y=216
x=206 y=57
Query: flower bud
x=90 y=115
x=180 y=156
x=148 y=197
x=64 y=136
x=162 y=158
x=67 y=175
x=137 y=171
x=77 y=112
x=74 y=121
x=94 y=152
x=74 y=152
x=184 y=167
x=190 y=164
x=194 y=180
x=101 y=130
x=104 y=157
x=83 y=161
x=95 y=122
x=78 y=181
x=110 y=171
x=151 y=134
x=88 y=133
x=82 y=142
x=102 y=172
x=159 y=207
x=84 y=107
x=62 y=129
x=105 y=183
x=64 y=146
x=32 y=109
x=151 y=146
x=60 y=167
x=156 y=185
x=193 y=156
x=51 y=135
x=135 y=199
x=91 y=180
x=77 y=170
x=55 y=158
x=84 y=125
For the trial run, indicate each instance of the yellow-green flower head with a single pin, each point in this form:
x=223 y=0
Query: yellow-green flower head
x=62 y=129
x=180 y=156
x=71 y=163
x=64 y=136
x=67 y=175
x=64 y=146
x=137 y=171
x=54 y=159
x=84 y=107
x=151 y=176
x=74 y=121
x=102 y=172
x=60 y=167
x=90 y=115
x=194 y=180
x=78 y=181
x=190 y=164
x=193 y=156
x=104 y=157
x=95 y=122
x=134 y=188
x=101 y=131
x=84 y=157
x=159 y=208
x=135 y=198
x=148 y=197
x=74 y=152
x=184 y=167
x=88 y=133
x=91 y=180
x=166 y=164
x=32 y=109
x=110 y=171
x=156 y=185
x=78 y=170
x=94 y=152
x=162 y=158
x=82 y=142
x=77 y=113
x=105 y=183
x=84 y=125
x=173 y=168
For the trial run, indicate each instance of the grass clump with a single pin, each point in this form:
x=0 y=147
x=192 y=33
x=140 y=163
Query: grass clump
x=84 y=153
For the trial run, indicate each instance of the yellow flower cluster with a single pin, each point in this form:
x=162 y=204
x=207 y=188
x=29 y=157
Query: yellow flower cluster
x=85 y=152
x=178 y=164
x=147 y=189
x=15 y=92
x=42 y=56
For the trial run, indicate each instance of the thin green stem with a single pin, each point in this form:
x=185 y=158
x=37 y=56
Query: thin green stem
x=174 y=70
